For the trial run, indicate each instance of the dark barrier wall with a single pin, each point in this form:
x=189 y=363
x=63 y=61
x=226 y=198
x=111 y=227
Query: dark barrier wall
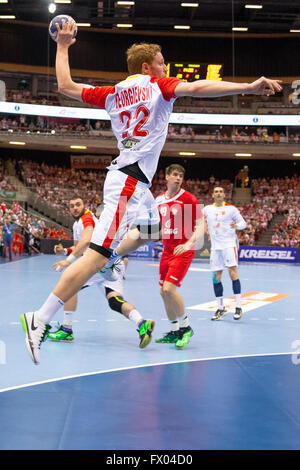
x=106 y=51
x=47 y=245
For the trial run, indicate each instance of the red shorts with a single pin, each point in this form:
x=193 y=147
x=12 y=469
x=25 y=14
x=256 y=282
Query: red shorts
x=174 y=268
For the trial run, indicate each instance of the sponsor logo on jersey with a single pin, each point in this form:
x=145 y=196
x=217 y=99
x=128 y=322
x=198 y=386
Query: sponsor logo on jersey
x=130 y=142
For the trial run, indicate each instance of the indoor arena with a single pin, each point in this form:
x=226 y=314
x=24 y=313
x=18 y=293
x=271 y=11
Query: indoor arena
x=149 y=227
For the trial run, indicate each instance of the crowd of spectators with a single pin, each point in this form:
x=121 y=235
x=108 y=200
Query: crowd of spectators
x=282 y=195
x=182 y=132
x=32 y=228
x=25 y=96
x=288 y=232
x=271 y=196
x=56 y=185
x=258 y=216
x=4 y=183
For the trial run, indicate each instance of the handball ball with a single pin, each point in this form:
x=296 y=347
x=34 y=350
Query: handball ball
x=58 y=19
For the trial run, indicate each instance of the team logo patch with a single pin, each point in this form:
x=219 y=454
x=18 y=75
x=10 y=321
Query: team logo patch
x=249 y=301
x=130 y=142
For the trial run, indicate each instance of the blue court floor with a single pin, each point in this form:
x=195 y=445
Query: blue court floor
x=236 y=386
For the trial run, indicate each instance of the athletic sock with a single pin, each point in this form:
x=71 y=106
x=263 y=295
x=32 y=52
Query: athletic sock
x=184 y=321
x=236 y=287
x=218 y=289
x=174 y=325
x=136 y=317
x=238 y=300
x=49 y=308
x=68 y=319
x=220 y=303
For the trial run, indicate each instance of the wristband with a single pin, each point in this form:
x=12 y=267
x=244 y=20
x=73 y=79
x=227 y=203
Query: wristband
x=71 y=258
x=67 y=251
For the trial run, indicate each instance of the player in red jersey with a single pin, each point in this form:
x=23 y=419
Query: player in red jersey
x=181 y=218
x=139 y=108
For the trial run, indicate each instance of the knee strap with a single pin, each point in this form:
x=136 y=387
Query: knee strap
x=116 y=303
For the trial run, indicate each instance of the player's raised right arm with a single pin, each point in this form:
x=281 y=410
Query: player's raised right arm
x=65 y=39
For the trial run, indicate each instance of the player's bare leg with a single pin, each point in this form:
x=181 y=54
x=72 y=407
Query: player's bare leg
x=36 y=324
x=173 y=301
x=180 y=332
x=145 y=327
x=133 y=240
x=76 y=275
x=236 y=287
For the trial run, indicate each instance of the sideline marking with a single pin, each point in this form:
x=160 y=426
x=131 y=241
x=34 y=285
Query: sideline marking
x=86 y=374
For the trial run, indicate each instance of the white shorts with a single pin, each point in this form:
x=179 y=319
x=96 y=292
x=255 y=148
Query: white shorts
x=122 y=198
x=221 y=259
x=147 y=211
x=101 y=283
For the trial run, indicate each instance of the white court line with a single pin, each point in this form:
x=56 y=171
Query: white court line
x=86 y=374
x=92 y=320
x=200 y=269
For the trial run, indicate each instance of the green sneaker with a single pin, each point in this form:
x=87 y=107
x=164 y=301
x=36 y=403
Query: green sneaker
x=171 y=337
x=62 y=334
x=186 y=333
x=145 y=331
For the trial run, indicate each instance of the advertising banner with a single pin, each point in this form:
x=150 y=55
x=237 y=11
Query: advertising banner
x=176 y=118
x=151 y=250
x=269 y=254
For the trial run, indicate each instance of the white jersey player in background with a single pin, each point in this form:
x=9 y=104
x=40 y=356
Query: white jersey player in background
x=222 y=221
x=139 y=108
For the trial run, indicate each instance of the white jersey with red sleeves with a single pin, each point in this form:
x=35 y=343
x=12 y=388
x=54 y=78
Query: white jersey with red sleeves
x=178 y=217
x=218 y=220
x=86 y=220
x=139 y=108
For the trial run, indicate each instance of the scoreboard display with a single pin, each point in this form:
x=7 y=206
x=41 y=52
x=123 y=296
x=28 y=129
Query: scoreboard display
x=191 y=72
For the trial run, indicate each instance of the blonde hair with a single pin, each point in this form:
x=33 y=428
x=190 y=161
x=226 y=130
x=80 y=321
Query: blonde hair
x=137 y=54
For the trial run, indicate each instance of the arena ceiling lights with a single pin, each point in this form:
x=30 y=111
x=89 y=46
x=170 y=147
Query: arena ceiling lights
x=12 y=142
x=189 y=5
x=203 y=17
x=243 y=154
x=254 y=7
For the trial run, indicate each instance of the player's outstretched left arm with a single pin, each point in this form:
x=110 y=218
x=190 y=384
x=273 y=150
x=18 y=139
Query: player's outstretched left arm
x=65 y=39
x=215 y=88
